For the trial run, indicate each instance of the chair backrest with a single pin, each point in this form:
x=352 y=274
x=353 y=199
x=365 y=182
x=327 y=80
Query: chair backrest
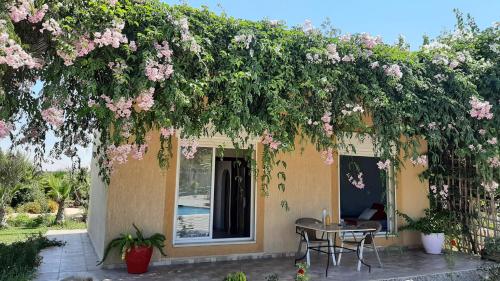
x=371 y=224
x=311 y=234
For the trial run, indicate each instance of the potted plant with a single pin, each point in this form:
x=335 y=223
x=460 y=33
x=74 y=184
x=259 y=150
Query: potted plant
x=432 y=227
x=136 y=251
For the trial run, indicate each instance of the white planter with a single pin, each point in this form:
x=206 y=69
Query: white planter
x=433 y=243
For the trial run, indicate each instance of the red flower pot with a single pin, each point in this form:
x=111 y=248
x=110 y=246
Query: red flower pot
x=138 y=259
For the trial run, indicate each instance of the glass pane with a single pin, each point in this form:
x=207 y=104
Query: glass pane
x=193 y=204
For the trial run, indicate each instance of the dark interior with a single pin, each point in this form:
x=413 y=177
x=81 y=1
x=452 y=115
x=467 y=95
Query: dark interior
x=232 y=198
x=354 y=201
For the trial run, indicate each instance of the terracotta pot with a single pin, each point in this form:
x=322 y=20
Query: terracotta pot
x=138 y=259
x=433 y=243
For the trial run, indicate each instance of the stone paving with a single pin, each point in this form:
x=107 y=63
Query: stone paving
x=77 y=259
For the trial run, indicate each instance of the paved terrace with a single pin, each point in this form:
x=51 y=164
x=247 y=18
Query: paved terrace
x=77 y=259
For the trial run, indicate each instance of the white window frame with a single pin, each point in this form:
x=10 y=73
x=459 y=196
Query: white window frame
x=364 y=148
x=215 y=143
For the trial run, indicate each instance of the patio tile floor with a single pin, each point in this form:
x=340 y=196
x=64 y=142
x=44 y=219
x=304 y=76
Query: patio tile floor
x=78 y=259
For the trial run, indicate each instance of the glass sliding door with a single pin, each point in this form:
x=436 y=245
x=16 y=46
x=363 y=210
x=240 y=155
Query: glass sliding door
x=214 y=197
x=194 y=196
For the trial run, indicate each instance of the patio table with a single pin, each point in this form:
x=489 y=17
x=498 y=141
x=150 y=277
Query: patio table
x=333 y=230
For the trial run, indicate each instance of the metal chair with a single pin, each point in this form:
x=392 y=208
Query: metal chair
x=368 y=240
x=309 y=237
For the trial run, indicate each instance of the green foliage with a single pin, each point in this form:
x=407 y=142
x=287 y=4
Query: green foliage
x=59 y=186
x=126 y=242
x=491 y=245
x=434 y=221
x=23 y=220
x=241 y=89
x=20 y=259
x=236 y=276
x=30 y=207
x=15 y=173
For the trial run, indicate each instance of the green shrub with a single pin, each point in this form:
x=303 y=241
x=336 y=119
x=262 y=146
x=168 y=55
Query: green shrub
x=23 y=220
x=9 y=210
x=19 y=260
x=30 y=207
x=236 y=276
x=32 y=193
x=52 y=206
x=19 y=220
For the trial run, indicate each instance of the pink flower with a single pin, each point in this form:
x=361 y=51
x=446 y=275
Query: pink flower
x=163 y=50
x=84 y=46
x=189 y=148
x=118 y=154
x=348 y=58
x=327 y=117
x=374 y=64
x=480 y=109
x=393 y=70
x=492 y=141
x=158 y=72
x=494 y=162
x=68 y=58
x=384 y=165
x=307 y=27
x=370 y=41
x=52 y=26
x=91 y=103
x=145 y=100
x=482 y=132
x=267 y=139
x=133 y=46
x=139 y=151
x=358 y=183
x=12 y=54
x=20 y=11
x=327 y=156
x=121 y=108
x=112 y=2
x=420 y=160
x=38 y=15
x=167 y=132
x=5 y=128
x=332 y=54
x=54 y=116
x=111 y=36
x=490 y=186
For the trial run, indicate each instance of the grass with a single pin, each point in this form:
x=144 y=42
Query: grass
x=21 y=233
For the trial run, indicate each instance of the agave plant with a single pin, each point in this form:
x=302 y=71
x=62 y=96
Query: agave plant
x=126 y=242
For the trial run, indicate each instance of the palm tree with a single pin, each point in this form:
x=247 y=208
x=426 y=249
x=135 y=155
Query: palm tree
x=60 y=188
x=15 y=174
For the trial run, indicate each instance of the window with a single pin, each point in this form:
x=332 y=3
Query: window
x=378 y=192
x=215 y=200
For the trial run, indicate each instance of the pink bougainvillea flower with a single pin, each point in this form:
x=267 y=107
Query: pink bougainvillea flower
x=145 y=100
x=167 y=132
x=480 y=109
x=327 y=156
x=490 y=186
x=189 y=148
x=121 y=108
x=358 y=183
x=393 y=70
x=54 y=116
x=5 y=128
x=384 y=165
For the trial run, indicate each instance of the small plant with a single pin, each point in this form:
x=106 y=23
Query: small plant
x=434 y=221
x=126 y=242
x=236 y=276
x=302 y=272
x=19 y=220
x=272 y=277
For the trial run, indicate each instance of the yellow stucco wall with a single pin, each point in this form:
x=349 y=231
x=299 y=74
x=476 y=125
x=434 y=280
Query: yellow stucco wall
x=141 y=192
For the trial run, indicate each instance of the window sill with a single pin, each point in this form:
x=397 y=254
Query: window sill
x=212 y=243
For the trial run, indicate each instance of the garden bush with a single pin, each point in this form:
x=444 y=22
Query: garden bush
x=236 y=276
x=23 y=220
x=19 y=220
x=31 y=208
x=52 y=206
x=18 y=261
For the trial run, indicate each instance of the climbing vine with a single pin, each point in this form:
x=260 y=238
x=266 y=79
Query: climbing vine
x=114 y=70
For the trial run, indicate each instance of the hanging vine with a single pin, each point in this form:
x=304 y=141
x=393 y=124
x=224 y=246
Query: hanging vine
x=114 y=70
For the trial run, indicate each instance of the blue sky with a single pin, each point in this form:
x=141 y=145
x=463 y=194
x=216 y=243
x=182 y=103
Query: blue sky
x=388 y=18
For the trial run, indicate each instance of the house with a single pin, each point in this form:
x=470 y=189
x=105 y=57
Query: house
x=211 y=207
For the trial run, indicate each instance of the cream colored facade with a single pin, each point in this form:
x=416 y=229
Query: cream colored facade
x=141 y=192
